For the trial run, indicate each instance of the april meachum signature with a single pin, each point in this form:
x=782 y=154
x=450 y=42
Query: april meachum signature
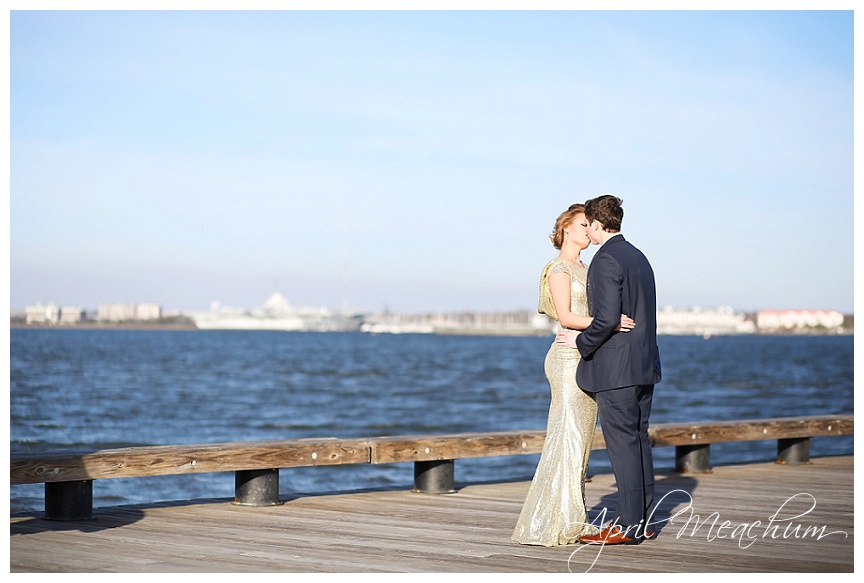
x=783 y=524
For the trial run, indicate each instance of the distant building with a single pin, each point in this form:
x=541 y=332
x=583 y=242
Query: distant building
x=148 y=311
x=125 y=312
x=703 y=321
x=116 y=312
x=42 y=314
x=277 y=313
x=772 y=320
x=71 y=315
x=510 y=323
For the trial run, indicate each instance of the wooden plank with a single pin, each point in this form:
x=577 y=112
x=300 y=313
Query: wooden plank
x=467 y=532
x=466 y=445
x=416 y=448
x=186 y=459
x=413 y=448
x=666 y=434
x=260 y=455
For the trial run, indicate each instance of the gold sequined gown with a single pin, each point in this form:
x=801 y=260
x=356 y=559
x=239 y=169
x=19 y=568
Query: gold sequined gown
x=554 y=510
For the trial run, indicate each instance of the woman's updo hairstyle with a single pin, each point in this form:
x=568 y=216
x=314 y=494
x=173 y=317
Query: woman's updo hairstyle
x=564 y=220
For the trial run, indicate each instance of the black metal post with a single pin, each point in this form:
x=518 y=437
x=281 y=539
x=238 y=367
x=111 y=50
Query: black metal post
x=69 y=501
x=795 y=450
x=434 y=477
x=256 y=487
x=693 y=458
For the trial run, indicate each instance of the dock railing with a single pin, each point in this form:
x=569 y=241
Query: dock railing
x=68 y=476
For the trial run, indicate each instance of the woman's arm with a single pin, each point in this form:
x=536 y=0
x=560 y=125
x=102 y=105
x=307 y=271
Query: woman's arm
x=559 y=285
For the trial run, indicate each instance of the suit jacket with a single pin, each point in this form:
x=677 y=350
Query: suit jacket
x=620 y=281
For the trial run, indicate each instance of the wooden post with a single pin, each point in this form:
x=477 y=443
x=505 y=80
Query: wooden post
x=794 y=450
x=434 y=477
x=256 y=487
x=69 y=501
x=693 y=458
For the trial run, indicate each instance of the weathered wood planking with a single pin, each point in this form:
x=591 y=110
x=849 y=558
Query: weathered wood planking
x=468 y=532
x=451 y=447
x=263 y=455
x=185 y=459
x=468 y=445
x=753 y=430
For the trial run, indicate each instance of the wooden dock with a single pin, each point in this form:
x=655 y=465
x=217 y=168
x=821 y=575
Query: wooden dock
x=755 y=518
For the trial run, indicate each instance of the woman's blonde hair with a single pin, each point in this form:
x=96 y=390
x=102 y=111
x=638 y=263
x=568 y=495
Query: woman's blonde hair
x=564 y=220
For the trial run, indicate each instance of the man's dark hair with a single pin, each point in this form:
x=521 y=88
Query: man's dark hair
x=606 y=209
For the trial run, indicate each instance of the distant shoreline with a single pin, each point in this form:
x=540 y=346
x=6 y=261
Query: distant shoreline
x=189 y=325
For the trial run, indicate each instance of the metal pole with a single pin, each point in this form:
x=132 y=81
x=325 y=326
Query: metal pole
x=434 y=477
x=693 y=458
x=256 y=487
x=69 y=501
x=795 y=450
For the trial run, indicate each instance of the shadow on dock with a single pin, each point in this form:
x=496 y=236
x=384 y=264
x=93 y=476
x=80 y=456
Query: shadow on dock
x=109 y=518
x=670 y=488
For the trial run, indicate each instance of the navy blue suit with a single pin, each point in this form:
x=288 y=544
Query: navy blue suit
x=621 y=368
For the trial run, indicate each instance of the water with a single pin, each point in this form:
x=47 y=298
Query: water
x=89 y=389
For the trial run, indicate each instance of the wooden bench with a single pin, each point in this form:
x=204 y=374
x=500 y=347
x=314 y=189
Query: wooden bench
x=68 y=476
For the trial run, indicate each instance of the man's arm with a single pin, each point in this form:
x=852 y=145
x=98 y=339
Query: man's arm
x=605 y=280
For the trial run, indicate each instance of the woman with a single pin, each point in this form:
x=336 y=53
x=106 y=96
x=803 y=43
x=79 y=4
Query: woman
x=554 y=510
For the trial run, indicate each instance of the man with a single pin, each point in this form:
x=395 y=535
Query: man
x=620 y=368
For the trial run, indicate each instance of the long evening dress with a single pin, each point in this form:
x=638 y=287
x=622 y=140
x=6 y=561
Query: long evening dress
x=554 y=509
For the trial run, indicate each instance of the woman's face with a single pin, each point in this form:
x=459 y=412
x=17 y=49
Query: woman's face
x=577 y=232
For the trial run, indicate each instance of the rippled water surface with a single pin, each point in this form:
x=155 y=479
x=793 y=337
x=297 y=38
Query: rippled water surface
x=89 y=389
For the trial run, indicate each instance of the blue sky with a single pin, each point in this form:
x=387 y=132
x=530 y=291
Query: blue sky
x=417 y=160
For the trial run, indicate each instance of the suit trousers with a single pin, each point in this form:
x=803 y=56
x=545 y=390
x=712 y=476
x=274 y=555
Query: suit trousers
x=624 y=419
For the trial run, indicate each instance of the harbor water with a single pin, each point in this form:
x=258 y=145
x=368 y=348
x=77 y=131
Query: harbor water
x=96 y=389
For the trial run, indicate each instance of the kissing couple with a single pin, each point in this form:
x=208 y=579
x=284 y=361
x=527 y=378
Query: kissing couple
x=603 y=363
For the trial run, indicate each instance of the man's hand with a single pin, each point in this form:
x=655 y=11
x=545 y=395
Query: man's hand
x=626 y=325
x=567 y=338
